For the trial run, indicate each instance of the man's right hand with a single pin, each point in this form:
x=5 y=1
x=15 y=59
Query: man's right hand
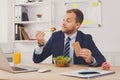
x=40 y=37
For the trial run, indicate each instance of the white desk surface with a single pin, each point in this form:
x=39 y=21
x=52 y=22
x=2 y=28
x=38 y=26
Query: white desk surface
x=54 y=74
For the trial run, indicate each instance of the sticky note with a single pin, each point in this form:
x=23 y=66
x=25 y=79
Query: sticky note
x=75 y=5
x=95 y=4
x=84 y=22
x=89 y=21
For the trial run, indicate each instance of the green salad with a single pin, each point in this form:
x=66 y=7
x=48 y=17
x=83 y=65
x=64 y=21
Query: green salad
x=62 y=61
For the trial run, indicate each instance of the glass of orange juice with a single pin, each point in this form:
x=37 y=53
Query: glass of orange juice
x=17 y=57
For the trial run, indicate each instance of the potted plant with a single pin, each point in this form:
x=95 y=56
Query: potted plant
x=39 y=16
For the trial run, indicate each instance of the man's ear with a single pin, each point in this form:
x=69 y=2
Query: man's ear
x=77 y=25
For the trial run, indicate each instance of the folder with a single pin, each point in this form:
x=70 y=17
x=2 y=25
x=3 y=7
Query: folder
x=21 y=13
x=87 y=73
x=16 y=13
x=17 y=32
x=24 y=34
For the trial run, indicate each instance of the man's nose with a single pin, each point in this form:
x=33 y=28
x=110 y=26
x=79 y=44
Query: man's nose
x=64 y=22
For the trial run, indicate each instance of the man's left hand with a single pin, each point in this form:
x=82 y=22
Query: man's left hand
x=86 y=54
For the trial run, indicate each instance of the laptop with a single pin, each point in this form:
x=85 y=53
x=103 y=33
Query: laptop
x=4 y=65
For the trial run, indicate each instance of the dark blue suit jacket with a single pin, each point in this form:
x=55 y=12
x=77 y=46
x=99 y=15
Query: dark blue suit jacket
x=55 y=47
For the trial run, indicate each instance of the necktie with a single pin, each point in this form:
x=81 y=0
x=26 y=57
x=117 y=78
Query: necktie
x=67 y=47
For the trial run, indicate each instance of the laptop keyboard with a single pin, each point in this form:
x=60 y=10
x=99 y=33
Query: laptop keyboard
x=17 y=68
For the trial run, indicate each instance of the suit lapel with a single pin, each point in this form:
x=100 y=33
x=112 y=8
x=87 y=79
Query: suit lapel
x=79 y=38
x=61 y=44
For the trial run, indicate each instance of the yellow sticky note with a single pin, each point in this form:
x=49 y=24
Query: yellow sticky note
x=89 y=21
x=16 y=57
x=84 y=22
x=95 y=4
x=75 y=5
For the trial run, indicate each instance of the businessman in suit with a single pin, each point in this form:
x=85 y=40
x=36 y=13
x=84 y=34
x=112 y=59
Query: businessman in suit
x=89 y=53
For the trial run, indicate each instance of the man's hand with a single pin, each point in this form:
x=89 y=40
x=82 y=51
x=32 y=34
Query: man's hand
x=105 y=66
x=86 y=54
x=40 y=37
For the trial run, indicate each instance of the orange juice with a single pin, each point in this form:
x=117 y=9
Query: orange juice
x=17 y=57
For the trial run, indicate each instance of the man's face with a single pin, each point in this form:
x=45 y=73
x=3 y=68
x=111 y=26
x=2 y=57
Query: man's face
x=69 y=25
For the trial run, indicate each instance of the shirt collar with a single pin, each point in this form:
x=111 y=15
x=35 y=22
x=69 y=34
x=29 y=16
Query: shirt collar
x=72 y=36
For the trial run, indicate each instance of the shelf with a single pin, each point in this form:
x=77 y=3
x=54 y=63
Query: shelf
x=26 y=23
x=25 y=41
x=30 y=22
x=32 y=3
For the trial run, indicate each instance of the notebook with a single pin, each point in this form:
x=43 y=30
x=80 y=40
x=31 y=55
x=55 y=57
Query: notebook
x=87 y=73
x=4 y=65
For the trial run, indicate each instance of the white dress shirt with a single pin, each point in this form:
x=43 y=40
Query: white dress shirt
x=73 y=38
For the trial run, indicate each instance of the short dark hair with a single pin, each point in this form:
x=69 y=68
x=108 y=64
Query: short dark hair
x=78 y=13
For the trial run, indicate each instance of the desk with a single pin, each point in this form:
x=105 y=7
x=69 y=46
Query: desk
x=54 y=74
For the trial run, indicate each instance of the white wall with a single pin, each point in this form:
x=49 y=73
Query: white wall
x=6 y=20
x=3 y=21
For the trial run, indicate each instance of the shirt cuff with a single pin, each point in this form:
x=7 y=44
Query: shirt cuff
x=38 y=50
x=94 y=63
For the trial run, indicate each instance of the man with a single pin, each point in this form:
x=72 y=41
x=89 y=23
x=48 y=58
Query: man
x=89 y=53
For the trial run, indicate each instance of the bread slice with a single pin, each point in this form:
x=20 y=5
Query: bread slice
x=76 y=47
